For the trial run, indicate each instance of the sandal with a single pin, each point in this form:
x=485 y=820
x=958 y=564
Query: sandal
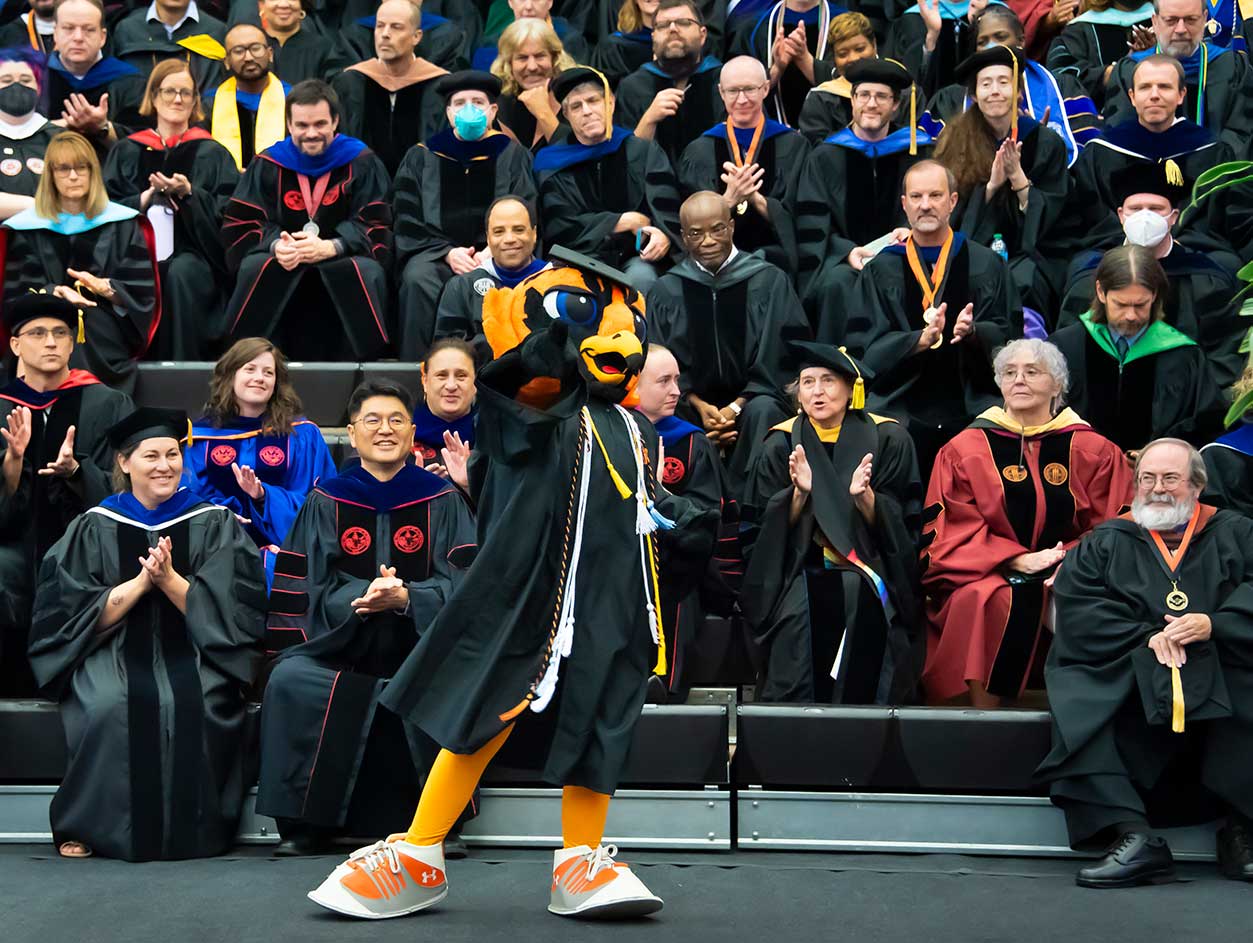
x=73 y=849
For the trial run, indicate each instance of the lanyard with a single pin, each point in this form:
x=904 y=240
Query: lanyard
x=747 y=156
x=1172 y=560
x=931 y=286
x=313 y=200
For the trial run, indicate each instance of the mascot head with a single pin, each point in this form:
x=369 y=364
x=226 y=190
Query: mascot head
x=603 y=314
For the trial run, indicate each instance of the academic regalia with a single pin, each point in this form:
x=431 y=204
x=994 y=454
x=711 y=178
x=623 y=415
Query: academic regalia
x=585 y=188
x=516 y=119
x=429 y=429
x=460 y=312
x=827 y=109
x=907 y=35
x=354 y=209
x=390 y=115
x=1229 y=463
x=998 y=491
x=701 y=107
x=781 y=154
x=247 y=122
x=1164 y=388
x=21 y=33
x=1226 y=108
x=443 y=41
x=575 y=45
x=1093 y=41
x=191 y=276
x=1201 y=303
x=117 y=245
x=849 y=195
x=123 y=82
x=320 y=723
x=1110 y=764
x=153 y=707
x=727 y=332
x=620 y=54
x=936 y=392
x=143 y=44
x=305 y=55
x=287 y=465
x=22 y=150
x=34 y=517
x=442 y=192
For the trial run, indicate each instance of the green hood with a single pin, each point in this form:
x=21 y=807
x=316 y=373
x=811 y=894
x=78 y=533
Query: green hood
x=1159 y=338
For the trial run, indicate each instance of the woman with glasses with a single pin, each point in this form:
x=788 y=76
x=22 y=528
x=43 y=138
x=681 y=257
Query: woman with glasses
x=180 y=178
x=95 y=253
x=24 y=132
x=1009 y=496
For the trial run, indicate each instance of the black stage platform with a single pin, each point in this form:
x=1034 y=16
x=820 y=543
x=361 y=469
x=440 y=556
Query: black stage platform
x=732 y=898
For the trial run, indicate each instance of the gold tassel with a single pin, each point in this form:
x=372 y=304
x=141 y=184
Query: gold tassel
x=913 y=126
x=1174 y=176
x=82 y=334
x=1176 y=707
x=613 y=472
x=1013 y=132
x=859 y=394
x=189 y=437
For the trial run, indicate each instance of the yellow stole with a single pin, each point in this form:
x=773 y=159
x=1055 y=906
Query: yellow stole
x=270 y=127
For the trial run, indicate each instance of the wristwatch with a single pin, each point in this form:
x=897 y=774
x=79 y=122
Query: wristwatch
x=735 y=407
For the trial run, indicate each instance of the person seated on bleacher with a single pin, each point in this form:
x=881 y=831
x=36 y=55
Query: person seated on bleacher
x=246 y=110
x=369 y=562
x=31 y=30
x=146 y=630
x=512 y=233
x=828 y=106
x=443 y=41
x=572 y=41
x=830 y=592
x=309 y=233
x=1092 y=43
x=725 y=315
x=1148 y=678
x=181 y=179
x=56 y=462
x=296 y=53
x=172 y=29
x=530 y=56
x=24 y=132
x=1132 y=375
x=621 y=53
x=1229 y=458
x=250 y=451
x=98 y=254
x=443 y=423
x=1007 y=496
x=441 y=195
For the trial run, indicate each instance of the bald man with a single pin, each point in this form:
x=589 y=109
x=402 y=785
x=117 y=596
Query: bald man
x=246 y=111
x=725 y=315
x=755 y=163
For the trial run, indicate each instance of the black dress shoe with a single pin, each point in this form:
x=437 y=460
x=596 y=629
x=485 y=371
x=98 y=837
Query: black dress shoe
x=299 y=845
x=1136 y=858
x=1235 y=852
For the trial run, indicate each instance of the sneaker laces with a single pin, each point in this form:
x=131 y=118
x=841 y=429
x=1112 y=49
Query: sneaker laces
x=599 y=859
x=376 y=856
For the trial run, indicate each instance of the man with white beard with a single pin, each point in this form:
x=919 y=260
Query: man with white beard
x=1150 y=677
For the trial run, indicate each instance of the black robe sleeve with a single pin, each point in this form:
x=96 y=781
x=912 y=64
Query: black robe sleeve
x=247 y=226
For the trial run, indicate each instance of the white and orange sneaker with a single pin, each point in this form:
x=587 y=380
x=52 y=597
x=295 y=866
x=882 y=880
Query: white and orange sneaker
x=588 y=883
x=387 y=879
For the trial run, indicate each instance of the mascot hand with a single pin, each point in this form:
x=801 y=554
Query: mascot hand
x=544 y=353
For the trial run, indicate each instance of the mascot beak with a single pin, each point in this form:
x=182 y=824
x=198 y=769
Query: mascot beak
x=614 y=354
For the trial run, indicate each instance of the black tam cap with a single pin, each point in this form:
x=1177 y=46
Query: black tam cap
x=804 y=354
x=1164 y=179
x=879 y=71
x=568 y=80
x=471 y=80
x=39 y=304
x=148 y=422
x=1007 y=56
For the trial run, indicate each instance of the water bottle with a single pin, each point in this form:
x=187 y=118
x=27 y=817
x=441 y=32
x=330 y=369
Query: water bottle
x=998 y=246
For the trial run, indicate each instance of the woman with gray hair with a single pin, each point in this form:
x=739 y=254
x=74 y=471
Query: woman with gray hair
x=1008 y=496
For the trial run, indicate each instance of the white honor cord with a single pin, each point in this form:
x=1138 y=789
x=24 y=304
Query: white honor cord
x=644 y=523
x=563 y=644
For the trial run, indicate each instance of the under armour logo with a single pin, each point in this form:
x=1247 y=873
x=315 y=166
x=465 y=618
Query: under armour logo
x=430 y=877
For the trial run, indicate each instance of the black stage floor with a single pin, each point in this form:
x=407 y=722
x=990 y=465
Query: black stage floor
x=734 y=897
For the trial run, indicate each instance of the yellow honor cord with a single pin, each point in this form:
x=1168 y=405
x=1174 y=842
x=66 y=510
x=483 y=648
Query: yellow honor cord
x=660 y=667
x=1177 y=705
x=613 y=472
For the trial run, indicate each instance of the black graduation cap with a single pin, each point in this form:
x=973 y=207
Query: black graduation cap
x=1008 y=56
x=588 y=264
x=468 y=80
x=566 y=82
x=802 y=354
x=42 y=304
x=880 y=71
x=149 y=422
x=1142 y=176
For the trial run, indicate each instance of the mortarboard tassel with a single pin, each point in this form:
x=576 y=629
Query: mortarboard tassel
x=82 y=334
x=189 y=437
x=1176 y=697
x=1013 y=121
x=913 y=131
x=1174 y=176
x=858 y=399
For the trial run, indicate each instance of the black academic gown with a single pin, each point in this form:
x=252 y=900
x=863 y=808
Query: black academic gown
x=319 y=721
x=443 y=40
x=122 y=81
x=191 y=278
x=306 y=55
x=1109 y=763
x=118 y=332
x=516 y=119
x=1085 y=50
x=1230 y=467
x=728 y=333
x=491 y=642
x=35 y=516
x=143 y=44
x=701 y=109
x=442 y=192
x=829 y=631
x=390 y=123
x=354 y=209
x=620 y=54
x=752 y=35
x=827 y=109
x=22 y=159
x=460 y=312
x=1164 y=388
x=936 y=392
x=781 y=156
x=907 y=35
x=153 y=708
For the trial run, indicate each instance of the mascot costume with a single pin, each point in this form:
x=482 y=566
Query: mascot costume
x=552 y=635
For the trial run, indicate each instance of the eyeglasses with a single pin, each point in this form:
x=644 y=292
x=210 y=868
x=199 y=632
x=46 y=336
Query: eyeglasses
x=683 y=22
x=1170 y=481
x=256 y=50
x=374 y=423
x=1173 y=21
x=882 y=98
x=170 y=94
x=27 y=80
x=748 y=91
x=1027 y=373
x=717 y=230
x=63 y=170
x=41 y=333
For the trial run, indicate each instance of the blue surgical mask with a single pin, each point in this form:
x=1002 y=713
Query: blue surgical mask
x=470 y=122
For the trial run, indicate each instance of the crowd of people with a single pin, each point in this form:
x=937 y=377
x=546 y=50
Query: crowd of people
x=939 y=392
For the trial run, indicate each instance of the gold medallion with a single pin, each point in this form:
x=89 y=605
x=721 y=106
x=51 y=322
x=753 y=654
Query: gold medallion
x=1176 y=599
x=927 y=317
x=1212 y=27
x=741 y=208
x=1014 y=473
x=1055 y=473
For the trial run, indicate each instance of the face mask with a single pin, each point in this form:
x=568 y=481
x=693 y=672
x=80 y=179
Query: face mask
x=1145 y=228
x=18 y=100
x=470 y=122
